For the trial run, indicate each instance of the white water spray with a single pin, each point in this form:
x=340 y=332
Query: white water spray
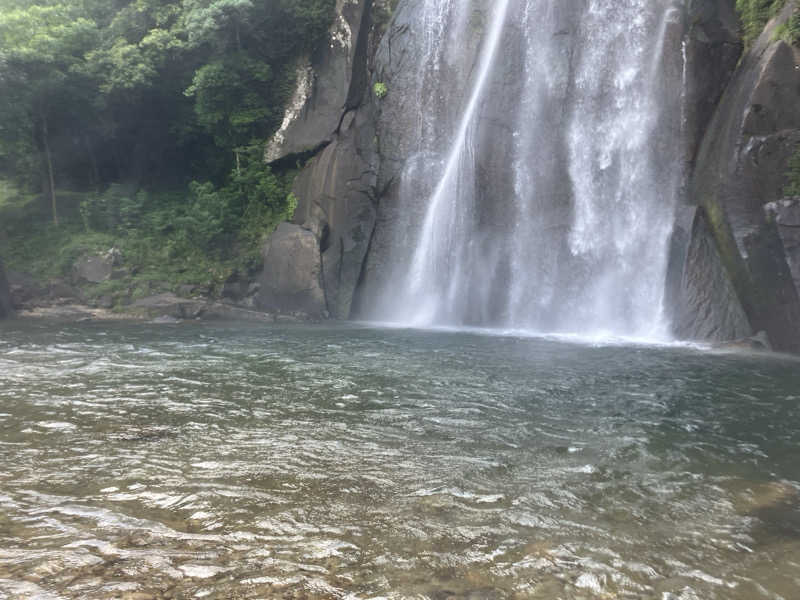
x=570 y=232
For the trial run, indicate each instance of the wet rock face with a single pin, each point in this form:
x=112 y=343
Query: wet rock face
x=741 y=167
x=291 y=279
x=708 y=308
x=712 y=50
x=5 y=294
x=785 y=214
x=742 y=125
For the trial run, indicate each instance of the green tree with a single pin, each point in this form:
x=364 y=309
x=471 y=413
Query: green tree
x=40 y=47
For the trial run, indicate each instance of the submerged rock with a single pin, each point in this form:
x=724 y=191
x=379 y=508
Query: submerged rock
x=760 y=341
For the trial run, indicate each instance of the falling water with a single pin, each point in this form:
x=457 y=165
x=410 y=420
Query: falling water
x=442 y=238
x=568 y=231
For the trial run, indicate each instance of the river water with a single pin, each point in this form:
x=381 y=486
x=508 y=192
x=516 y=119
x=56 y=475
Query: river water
x=343 y=461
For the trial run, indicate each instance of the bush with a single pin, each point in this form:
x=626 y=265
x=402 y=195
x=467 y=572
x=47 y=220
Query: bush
x=793 y=175
x=200 y=234
x=380 y=90
x=754 y=15
x=789 y=31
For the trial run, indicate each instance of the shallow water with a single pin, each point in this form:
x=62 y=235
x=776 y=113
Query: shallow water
x=251 y=461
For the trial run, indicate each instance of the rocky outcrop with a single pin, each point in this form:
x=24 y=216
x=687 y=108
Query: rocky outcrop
x=337 y=203
x=333 y=116
x=169 y=308
x=785 y=214
x=741 y=168
x=712 y=49
x=708 y=308
x=291 y=279
x=6 y=309
x=328 y=83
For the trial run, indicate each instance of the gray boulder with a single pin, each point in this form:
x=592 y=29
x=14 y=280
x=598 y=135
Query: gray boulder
x=26 y=290
x=291 y=279
x=167 y=305
x=96 y=268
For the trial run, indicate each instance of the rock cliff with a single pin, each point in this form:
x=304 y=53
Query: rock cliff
x=735 y=260
x=737 y=184
x=331 y=121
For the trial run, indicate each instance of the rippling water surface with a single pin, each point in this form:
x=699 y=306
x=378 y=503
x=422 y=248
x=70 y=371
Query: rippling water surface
x=249 y=461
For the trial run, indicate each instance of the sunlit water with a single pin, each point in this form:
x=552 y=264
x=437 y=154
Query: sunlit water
x=241 y=461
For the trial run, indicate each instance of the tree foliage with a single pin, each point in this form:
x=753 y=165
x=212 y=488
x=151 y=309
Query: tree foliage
x=754 y=15
x=155 y=92
x=140 y=123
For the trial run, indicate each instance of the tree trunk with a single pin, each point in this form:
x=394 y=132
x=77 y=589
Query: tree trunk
x=46 y=141
x=94 y=174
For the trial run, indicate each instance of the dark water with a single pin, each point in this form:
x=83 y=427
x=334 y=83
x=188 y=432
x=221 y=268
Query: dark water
x=241 y=461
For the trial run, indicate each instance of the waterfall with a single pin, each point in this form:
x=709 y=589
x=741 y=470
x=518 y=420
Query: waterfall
x=546 y=184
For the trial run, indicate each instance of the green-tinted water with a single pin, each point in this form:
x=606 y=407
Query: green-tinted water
x=242 y=461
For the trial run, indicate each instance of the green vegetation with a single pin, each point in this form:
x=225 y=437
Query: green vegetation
x=380 y=90
x=138 y=124
x=793 y=175
x=754 y=15
x=789 y=31
x=166 y=238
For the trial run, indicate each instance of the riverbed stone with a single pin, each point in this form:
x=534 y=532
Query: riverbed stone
x=291 y=278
